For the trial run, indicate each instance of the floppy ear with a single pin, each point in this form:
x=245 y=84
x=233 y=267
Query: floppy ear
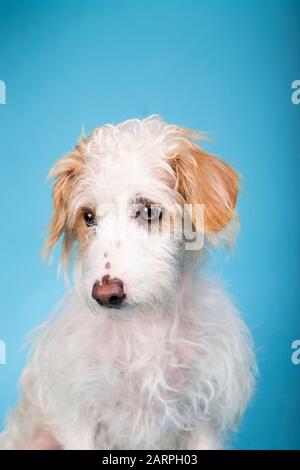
x=205 y=179
x=66 y=173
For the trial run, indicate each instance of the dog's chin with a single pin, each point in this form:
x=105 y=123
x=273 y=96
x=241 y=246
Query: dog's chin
x=125 y=311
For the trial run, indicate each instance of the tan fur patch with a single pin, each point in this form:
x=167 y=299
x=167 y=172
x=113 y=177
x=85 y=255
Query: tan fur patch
x=67 y=173
x=204 y=179
x=82 y=232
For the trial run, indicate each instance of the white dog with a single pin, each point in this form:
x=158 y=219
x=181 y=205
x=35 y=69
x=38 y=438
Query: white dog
x=146 y=354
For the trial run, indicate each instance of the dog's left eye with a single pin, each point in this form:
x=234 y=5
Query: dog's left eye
x=90 y=218
x=149 y=213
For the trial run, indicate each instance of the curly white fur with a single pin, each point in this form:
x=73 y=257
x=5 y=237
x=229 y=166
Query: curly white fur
x=172 y=370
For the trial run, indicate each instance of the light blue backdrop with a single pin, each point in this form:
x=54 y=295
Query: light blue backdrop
x=221 y=66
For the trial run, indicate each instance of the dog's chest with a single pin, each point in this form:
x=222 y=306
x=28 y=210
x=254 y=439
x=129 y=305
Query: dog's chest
x=147 y=351
x=146 y=376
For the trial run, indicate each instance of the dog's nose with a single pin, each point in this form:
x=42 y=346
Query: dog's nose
x=109 y=293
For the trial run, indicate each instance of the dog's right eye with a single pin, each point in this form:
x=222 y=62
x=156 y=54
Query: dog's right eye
x=90 y=218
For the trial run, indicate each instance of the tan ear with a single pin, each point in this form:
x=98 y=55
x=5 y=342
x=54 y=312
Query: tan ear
x=66 y=173
x=205 y=179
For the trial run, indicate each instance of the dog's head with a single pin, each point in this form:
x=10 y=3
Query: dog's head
x=118 y=199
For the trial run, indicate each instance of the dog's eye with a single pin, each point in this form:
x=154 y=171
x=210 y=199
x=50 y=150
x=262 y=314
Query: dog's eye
x=148 y=213
x=90 y=218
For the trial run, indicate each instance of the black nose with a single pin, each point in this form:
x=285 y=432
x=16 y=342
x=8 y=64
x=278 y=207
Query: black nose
x=109 y=293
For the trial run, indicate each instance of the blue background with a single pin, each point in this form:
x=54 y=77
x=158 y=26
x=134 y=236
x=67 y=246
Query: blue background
x=220 y=66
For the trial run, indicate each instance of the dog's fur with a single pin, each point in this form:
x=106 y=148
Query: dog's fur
x=173 y=369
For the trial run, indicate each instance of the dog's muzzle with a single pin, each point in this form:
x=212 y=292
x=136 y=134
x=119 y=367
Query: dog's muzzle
x=109 y=292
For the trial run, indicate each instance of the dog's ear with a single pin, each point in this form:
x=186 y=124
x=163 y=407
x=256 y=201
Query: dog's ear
x=204 y=179
x=66 y=174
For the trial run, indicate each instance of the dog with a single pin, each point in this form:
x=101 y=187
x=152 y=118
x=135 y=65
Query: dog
x=146 y=351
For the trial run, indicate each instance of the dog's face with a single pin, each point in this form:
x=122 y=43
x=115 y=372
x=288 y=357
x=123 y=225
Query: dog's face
x=119 y=198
